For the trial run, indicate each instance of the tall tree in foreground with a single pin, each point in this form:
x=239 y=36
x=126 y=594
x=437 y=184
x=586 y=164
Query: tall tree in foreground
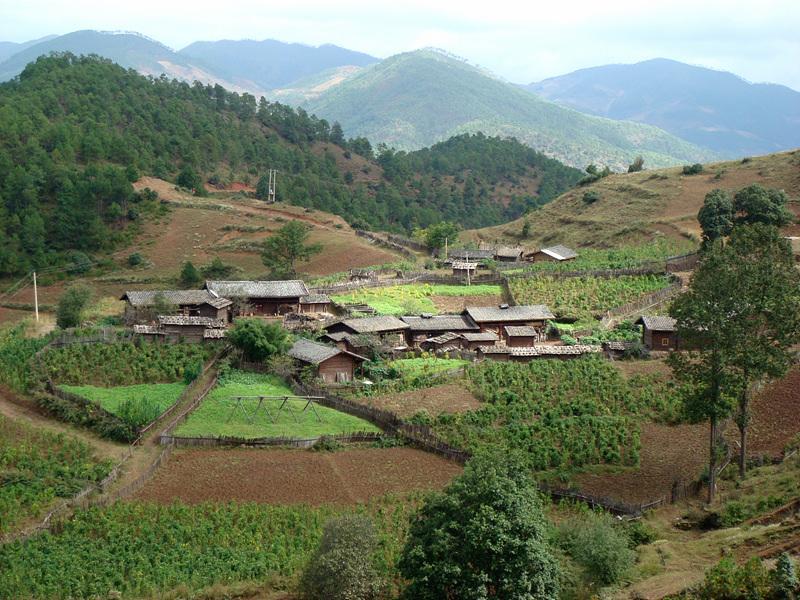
x=716 y=216
x=484 y=537
x=286 y=248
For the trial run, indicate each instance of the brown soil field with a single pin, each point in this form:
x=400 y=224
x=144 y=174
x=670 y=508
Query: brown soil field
x=9 y=315
x=445 y=398
x=776 y=420
x=296 y=476
x=455 y=304
x=668 y=454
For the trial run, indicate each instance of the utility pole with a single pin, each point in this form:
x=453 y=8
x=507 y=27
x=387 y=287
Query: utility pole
x=467 y=263
x=445 y=248
x=273 y=183
x=35 y=297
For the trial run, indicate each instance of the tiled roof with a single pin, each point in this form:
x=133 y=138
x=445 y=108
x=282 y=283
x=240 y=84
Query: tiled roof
x=463 y=254
x=439 y=323
x=484 y=314
x=375 y=324
x=508 y=251
x=616 y=345
x=464 y=266
x=315 y=299
x=540 y=350
x=258 y=289
x=195 y=321
x=214 y=334
x=176 y=297
x=481 y=336
x=338 y=336
x=658 y=323
x=315 y=353
x=560 y=252
x=444 y=338
x=147 y=330
x=521 y=331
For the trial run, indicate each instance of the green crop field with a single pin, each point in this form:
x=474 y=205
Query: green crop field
x=36 y=467
x=158 y=395
x=413 y=298
x=583 y=297
x=426 y=365
x=217 y=414
x=145 y=550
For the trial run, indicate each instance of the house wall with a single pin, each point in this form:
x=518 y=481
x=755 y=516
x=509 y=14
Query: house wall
x=315 y=308
x=660 y=340
x=188 y=333
x=337 y=369
x=519 y=341
x=206 y=310
x=475 y=345
x=273 y=306
x=499 y=327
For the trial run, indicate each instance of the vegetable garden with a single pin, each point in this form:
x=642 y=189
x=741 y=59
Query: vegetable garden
x=582 y=298
x=219 y=415
x=37 y=467
x=412 y=299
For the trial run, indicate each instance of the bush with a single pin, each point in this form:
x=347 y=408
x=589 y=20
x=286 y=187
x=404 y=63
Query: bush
x=327 y=443
x=636 y=350
x=591 y=197
x=192 y=371
x=343 y=567
x=568 y=340
x=598 y=545
x=72 y=305
x=728 y=581
x=258 y=340
x=189 y=276
x=135 y=260
x=217 y=269
x=138 y=412
x=692 y=169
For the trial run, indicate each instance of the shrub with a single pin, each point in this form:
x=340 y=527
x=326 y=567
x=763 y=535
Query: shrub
x=692 y=169
x=591 y=197
x=192 y=371
x=327 y=443
x=568 y=340
x=637 y=165
x=784 y=578
x=727 y=581
x=343 y=567
x=138 y=412
x=135 y=260
x=258 y=340
x=72 y=305
x=189 y=276
x=636 y=350
x=217 y=269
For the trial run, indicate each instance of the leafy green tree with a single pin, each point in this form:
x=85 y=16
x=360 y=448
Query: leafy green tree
x=757 y=204
x=591 y=197
x=72 y=305
x=436 y=234
x=784 y=578
x=716 y=216
x=484 y=536
x=262 y=188
x=526 y=228
x=343 y=567
x=189 y=179
x=190 y=276
x=217 y=269
x=727 y=581
x=259 y=340
x=286 y=247
x=637 y=165
x=694 y=169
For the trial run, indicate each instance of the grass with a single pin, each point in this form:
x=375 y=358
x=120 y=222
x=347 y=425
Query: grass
x=163 y=395
x=413 y=298
x=216 y=415
x=414 y=367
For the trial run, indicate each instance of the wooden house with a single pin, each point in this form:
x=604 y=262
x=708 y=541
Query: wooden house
x=446 y=342
x=188 y=329
x=262 y=298
x=425 y=326
x=332 y=365
x=508 y=254
x=140 y=305
x=659 y=332
x=464 y=269
x=474 y=340
x=615 y=349
x=496 y=319
x=389 y=329
x=556 y=253
x=315 y=304
x=523 y=335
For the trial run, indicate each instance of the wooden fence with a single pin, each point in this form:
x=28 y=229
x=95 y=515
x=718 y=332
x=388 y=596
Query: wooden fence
x=209 y=441
x=387 y=243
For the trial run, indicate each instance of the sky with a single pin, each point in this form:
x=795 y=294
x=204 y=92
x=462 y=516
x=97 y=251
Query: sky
x=522 y=41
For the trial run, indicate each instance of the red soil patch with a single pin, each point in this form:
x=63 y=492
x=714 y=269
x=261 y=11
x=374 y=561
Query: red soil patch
x=446 y=398
x=668 y=454
x=775 y=420
x=296 y=476
x=455 y=304
x=9 y=315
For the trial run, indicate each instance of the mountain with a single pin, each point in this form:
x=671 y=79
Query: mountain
x=634 y=208
x=270 y=64
x=418 y=98
x=714 y=109
x=78 y=131
x=130 y=50
x=8 y=49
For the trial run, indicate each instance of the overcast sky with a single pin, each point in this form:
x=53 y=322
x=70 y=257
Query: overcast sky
x=521 y=41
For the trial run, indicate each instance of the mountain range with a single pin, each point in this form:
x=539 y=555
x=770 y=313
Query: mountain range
x=667 y=112
x=713 y=109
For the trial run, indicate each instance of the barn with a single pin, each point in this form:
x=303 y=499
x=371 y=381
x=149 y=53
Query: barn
x=496 y=319
x=262 y=298
x=556 y=253
x=140 y=305
x=659 y=332
x=332 y=365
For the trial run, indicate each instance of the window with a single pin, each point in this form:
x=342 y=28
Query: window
x=665 y=341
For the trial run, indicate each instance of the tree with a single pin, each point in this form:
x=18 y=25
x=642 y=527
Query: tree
x=189 y=179
x=190 y=276
x=784 y=578
x=258 y=340
x=485 y=536
x=526 y=228
x=286 y=247
x=343 y=568
x=637 y=165
x=217 y=269
x=692 y=169
x=72 y=304
x=262 y=188
x=436 y=234
x=757 y=204
x=716 y=216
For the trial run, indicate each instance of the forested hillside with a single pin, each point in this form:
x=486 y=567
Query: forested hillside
x=76 y=132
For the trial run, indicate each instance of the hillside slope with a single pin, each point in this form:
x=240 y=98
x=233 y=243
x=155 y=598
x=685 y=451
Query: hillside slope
x=415 y=99
x=268 y=64
x=713 y=109
x=639 y=207
x=8 y=49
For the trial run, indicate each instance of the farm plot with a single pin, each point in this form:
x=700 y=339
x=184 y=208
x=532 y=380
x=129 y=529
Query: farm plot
x=220 y=414
x=426 y=365
x=434 y=400
x=38 y=466
x=775 y=425
x=350 y=476
x=583 y=298
x=416 y=298
x=136 y=404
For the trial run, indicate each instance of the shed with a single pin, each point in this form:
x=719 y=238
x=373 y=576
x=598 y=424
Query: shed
x=332 y=365
x=186 y=328
x=615 y=349
x=262 y=297
x=659 y=332
x=556 y=253
x=195 y=303
x=445 y=342
x=497 y=318
x=315 y=304
x=472 y=341
x=464 y=254
x=463 y=268
x=523 y=335
x=508 y=253
x=425 y=325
